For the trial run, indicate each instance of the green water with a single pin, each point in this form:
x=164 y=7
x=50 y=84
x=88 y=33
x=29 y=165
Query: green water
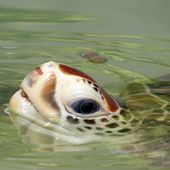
x=134 y=36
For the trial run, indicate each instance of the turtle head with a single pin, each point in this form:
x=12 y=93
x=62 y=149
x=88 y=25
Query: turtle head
x=67 y=97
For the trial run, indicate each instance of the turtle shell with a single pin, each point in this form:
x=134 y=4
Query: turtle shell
x=140 y=97
x=148 y=101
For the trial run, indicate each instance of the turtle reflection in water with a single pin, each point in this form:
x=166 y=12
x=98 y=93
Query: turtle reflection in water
x=59 y=104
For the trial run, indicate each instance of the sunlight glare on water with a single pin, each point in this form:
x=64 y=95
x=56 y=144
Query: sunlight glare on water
x=132 y=35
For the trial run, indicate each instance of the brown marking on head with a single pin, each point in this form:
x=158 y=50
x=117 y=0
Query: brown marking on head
x=112 y=125
x=99 y=128
x=102 y=97
x=69 y=70
x=126 y=115
x=124 y=130
x=96 y=89
x=134 y=122
x=23 y=94
x=90 y=121
x=33 y=76
x=108 y=131
x=99 y=134
x=95 y=85
x=104 y=120
x=48 y=92
x=115 y=117
x=80 y=129
x=88 y=127
x=89 y=82
x=111 y=103
x=72 y=120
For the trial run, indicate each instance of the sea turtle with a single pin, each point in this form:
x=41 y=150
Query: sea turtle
x=60 y=104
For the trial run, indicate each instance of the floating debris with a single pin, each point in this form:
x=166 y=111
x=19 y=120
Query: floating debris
x=94 y=57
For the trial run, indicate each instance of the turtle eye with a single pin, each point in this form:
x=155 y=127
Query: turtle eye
x=85 y=106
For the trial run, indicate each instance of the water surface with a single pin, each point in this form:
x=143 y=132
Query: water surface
x=132 y=35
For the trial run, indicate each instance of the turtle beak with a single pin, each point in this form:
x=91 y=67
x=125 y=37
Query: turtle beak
x=20 y=104
x=38 y=89
x=14 y=103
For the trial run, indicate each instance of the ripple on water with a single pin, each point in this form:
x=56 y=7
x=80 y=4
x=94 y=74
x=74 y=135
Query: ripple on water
x=30 y=37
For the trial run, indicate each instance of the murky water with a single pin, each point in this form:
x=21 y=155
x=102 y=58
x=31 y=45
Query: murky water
x=132 y=35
